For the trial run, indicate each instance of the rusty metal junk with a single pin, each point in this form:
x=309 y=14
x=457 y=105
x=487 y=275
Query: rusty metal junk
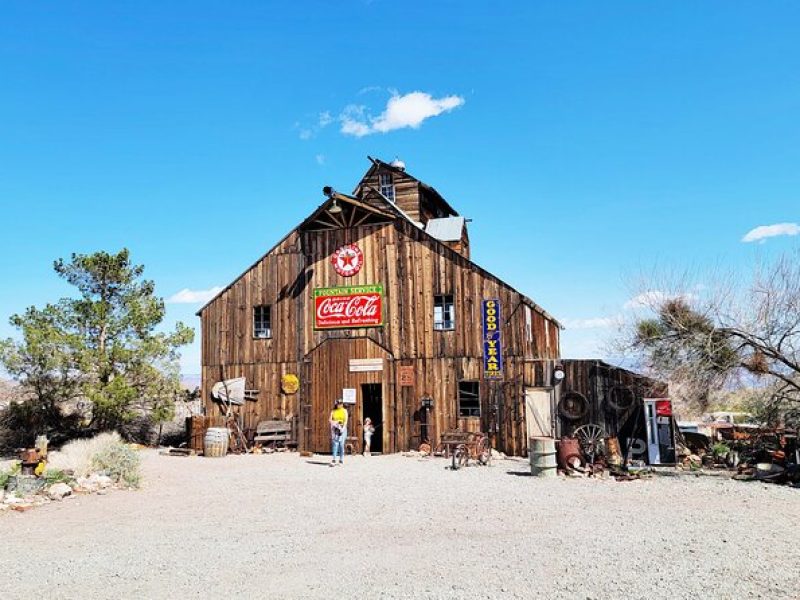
x=30 y=460
x=613 y=452
x=569 y=453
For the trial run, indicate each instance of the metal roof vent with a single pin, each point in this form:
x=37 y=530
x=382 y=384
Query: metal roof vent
x=398 y=164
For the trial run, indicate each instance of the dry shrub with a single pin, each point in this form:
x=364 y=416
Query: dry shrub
x=120 y=462
x=77 y=455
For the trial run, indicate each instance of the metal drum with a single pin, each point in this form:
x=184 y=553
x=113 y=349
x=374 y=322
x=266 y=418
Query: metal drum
x=569 y=453
x=542 y=453
x=216 y=441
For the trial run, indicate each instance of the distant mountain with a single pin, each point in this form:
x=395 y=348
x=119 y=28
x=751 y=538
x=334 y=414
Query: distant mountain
x=8 y=392
x=190 y=380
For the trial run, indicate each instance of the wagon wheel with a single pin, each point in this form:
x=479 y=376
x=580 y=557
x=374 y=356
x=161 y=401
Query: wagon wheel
x=460 y=457
x=591 y=438
x=484 y=452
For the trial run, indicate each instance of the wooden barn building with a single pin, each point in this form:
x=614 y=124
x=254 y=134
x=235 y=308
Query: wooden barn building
x=374 y=298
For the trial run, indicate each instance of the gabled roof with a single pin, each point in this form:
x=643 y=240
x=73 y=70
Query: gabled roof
x=375 y=203
x=377 y=163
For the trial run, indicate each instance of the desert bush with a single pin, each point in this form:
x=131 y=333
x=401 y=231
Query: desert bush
x=720 y=449
x=120 y=462
x=77 y=455
x=22 y=421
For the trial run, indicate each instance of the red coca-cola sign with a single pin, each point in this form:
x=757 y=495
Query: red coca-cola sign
x=348 y=307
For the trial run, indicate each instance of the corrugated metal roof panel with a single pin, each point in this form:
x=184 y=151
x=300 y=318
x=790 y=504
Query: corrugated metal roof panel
x=446 y=230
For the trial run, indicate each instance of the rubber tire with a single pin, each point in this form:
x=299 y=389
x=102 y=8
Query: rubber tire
x=573 y=416
x=621 y=391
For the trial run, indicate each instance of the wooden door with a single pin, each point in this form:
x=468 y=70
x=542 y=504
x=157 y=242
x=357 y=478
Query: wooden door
x=539 y=412
x=339 y=364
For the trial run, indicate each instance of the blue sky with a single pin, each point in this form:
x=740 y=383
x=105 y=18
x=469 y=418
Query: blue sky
x=587 y=141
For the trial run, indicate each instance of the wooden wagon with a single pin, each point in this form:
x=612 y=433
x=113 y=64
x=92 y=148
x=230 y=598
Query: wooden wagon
x=461 y=446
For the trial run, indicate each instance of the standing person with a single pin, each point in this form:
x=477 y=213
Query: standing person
x=369 y=429
x=338 y=421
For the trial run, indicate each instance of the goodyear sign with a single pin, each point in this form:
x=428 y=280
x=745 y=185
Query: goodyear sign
x=492 y=345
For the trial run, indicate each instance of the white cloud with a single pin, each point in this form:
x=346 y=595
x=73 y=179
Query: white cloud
x=187 y=296
x=409 y=110
x=594 y=323
x=762 y=232
x=306 y=132
x=320 y=158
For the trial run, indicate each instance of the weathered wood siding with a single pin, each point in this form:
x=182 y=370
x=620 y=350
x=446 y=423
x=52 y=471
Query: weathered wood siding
x=412 y=267
x=406 y=190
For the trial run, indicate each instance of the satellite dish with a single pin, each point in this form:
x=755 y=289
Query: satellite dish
x=398 y=164
x=230 y=391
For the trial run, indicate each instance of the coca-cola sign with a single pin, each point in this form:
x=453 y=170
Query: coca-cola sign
x=348 y=307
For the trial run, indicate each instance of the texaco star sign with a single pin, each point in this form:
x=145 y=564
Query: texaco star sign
x=348 y=260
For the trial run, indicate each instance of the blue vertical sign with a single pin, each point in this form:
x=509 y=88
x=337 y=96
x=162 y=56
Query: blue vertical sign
x=492 y=345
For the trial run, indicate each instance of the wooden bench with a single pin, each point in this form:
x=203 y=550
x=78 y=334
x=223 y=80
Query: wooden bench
x=275 y=433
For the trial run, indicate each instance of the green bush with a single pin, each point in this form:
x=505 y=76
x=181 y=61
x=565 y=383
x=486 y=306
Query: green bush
x=52 y=476
x=720 y=449
x=119 y=462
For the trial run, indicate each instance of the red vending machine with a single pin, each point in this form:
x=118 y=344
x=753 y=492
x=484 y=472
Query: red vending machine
x=660 y=431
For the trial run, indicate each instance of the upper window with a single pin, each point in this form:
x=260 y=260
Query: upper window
x=387 y=185
x=528 y=324
x=444 y=312
x=469 y=401
x=262 y=322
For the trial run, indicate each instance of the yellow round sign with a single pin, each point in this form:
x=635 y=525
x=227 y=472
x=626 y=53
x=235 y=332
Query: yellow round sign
x=290 y=383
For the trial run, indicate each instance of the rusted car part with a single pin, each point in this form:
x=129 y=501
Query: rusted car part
x=569 y=453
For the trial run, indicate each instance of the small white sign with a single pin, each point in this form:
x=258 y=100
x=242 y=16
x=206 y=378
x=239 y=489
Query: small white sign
x=361 y=365
x=349 y=395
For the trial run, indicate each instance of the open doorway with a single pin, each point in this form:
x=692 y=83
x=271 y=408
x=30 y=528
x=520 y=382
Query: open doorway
x=372 y=407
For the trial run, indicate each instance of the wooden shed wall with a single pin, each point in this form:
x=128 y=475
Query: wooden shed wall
x=412 y=267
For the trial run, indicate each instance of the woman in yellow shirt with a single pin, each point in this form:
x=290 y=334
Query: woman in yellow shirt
x=338 y=421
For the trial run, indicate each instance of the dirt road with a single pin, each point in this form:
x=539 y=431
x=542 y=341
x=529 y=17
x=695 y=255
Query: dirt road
x=398 y=527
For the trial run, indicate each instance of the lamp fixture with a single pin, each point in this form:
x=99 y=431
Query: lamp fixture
x=558 y=374
x=335 y=209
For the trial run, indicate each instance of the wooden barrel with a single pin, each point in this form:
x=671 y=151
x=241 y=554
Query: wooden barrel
x=216 y=441
x=542 y=452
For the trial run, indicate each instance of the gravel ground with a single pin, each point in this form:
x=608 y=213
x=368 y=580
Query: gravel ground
x=397 y=527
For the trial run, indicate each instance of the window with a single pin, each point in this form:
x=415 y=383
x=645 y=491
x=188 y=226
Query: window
x=444 y=312
x=387 y=185
x=469 y=401
x=262 y=325
x=528 y=324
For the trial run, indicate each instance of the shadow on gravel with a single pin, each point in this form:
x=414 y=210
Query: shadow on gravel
x=520 y=473
x=720 y=473
x=318 y=463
